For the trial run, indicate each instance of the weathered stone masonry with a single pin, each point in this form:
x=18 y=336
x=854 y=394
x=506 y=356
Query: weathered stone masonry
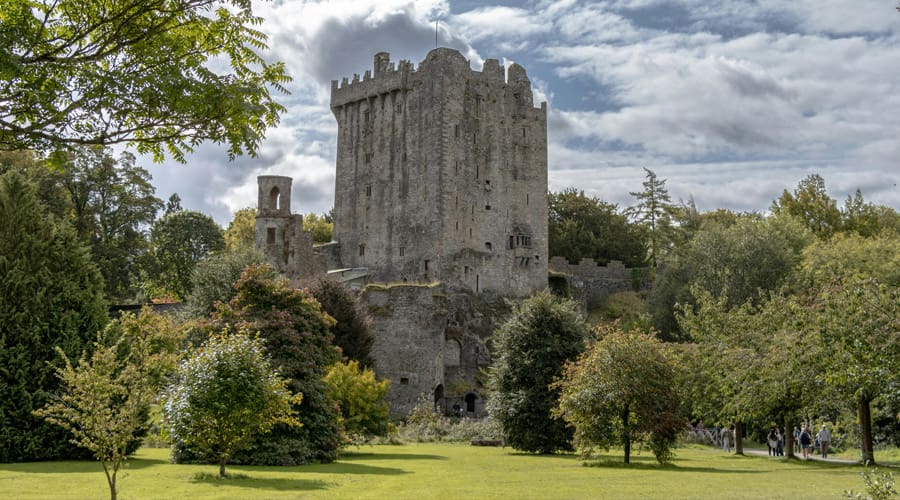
x=442 y=174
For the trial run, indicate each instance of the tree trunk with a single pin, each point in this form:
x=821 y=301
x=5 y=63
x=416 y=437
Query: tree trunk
x=865 y=430
x=789 y=437
x=626 y=435
x=739 y=438
x=112 y=488
x=222 y=461
x=111 y=478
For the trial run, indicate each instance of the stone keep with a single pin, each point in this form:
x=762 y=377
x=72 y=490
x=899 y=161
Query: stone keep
x=442 y=174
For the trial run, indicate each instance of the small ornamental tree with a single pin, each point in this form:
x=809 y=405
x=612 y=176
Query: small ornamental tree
x=530 y=349
x=622 y=390
x=107 y=396
x=364 y=409
x=226 y=394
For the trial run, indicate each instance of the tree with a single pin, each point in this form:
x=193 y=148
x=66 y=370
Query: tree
x=811 y=205
x=766 y=364
x=859 y=323
x=320 y=226
x=106 y=398
x=619 y=391
x=112 y=203
x=213 y=279
x=51 y=295
x=850 y=255
x=296 y=335
x=241 y=230
x=173 y=204
x=654 y=211
x=178 y=242
x=743 y=261
x=353 y=330
x=530 y=348
x=161 y=75
x=586 y=227
x=364 y=409
x=226 y=394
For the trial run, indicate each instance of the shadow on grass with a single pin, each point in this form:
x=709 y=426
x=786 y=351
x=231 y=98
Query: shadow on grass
x=244 y=481
x=654 y=466
x=351 y=456
x=75 y=466
x=339 y=467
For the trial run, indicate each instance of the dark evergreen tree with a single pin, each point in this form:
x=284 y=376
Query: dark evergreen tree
x=530 y=350
x=50 y=295
x=353 y=332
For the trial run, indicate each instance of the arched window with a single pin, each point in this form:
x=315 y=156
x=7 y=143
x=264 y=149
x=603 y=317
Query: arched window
x=275 y=198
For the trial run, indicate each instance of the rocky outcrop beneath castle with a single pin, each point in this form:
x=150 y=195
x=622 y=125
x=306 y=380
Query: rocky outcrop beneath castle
x=589 y=283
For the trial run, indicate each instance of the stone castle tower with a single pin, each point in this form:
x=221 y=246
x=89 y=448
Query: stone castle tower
x=280 y=234
x=442 y=174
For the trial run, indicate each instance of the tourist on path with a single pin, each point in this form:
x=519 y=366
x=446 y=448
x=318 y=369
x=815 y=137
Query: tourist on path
x=726 y=439
x=805 y=442
x=824 y=438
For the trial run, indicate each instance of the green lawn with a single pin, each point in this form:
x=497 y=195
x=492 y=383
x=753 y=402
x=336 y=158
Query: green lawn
x=445 y=471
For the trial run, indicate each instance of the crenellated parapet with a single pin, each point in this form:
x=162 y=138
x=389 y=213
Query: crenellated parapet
x=589 y=281
x=386 y=79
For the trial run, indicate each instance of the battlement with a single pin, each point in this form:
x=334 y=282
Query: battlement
x=386 y=77
x=589 y=268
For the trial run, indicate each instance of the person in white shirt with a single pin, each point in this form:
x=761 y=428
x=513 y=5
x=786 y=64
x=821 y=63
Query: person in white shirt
x=824 y=437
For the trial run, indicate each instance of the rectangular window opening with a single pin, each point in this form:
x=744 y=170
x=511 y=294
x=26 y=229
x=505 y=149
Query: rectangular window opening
x=270 y=235
x=362 y=250
x=402 y=251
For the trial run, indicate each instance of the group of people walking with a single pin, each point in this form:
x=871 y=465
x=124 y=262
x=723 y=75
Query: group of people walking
x=775 y=441
x=805 y=438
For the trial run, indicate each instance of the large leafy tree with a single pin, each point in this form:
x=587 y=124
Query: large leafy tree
x=622 y=389
x=296 y=334
x=585 y=227
x=353 y=330
x=811 y=205
x=161 y=74
x=859 y=322
x=743 y=261
x=106 y=397
x=529 y=350
x=178 y=242
x=241 y=231
x=51 y=295
x=225 y=395
x=321 y=227
x=654 y=211
x=113 y=204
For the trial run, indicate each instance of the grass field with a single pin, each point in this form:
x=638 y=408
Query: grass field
x=446 y=471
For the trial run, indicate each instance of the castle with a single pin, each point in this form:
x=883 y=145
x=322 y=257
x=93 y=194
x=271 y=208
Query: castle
x=440 y=206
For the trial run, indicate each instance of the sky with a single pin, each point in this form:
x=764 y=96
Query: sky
x=730 y=101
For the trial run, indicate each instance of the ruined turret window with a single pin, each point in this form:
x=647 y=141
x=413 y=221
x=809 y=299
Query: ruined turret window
x=270 y=235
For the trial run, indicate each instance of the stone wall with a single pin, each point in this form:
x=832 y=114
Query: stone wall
x=589 y=282
x=409 y=322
